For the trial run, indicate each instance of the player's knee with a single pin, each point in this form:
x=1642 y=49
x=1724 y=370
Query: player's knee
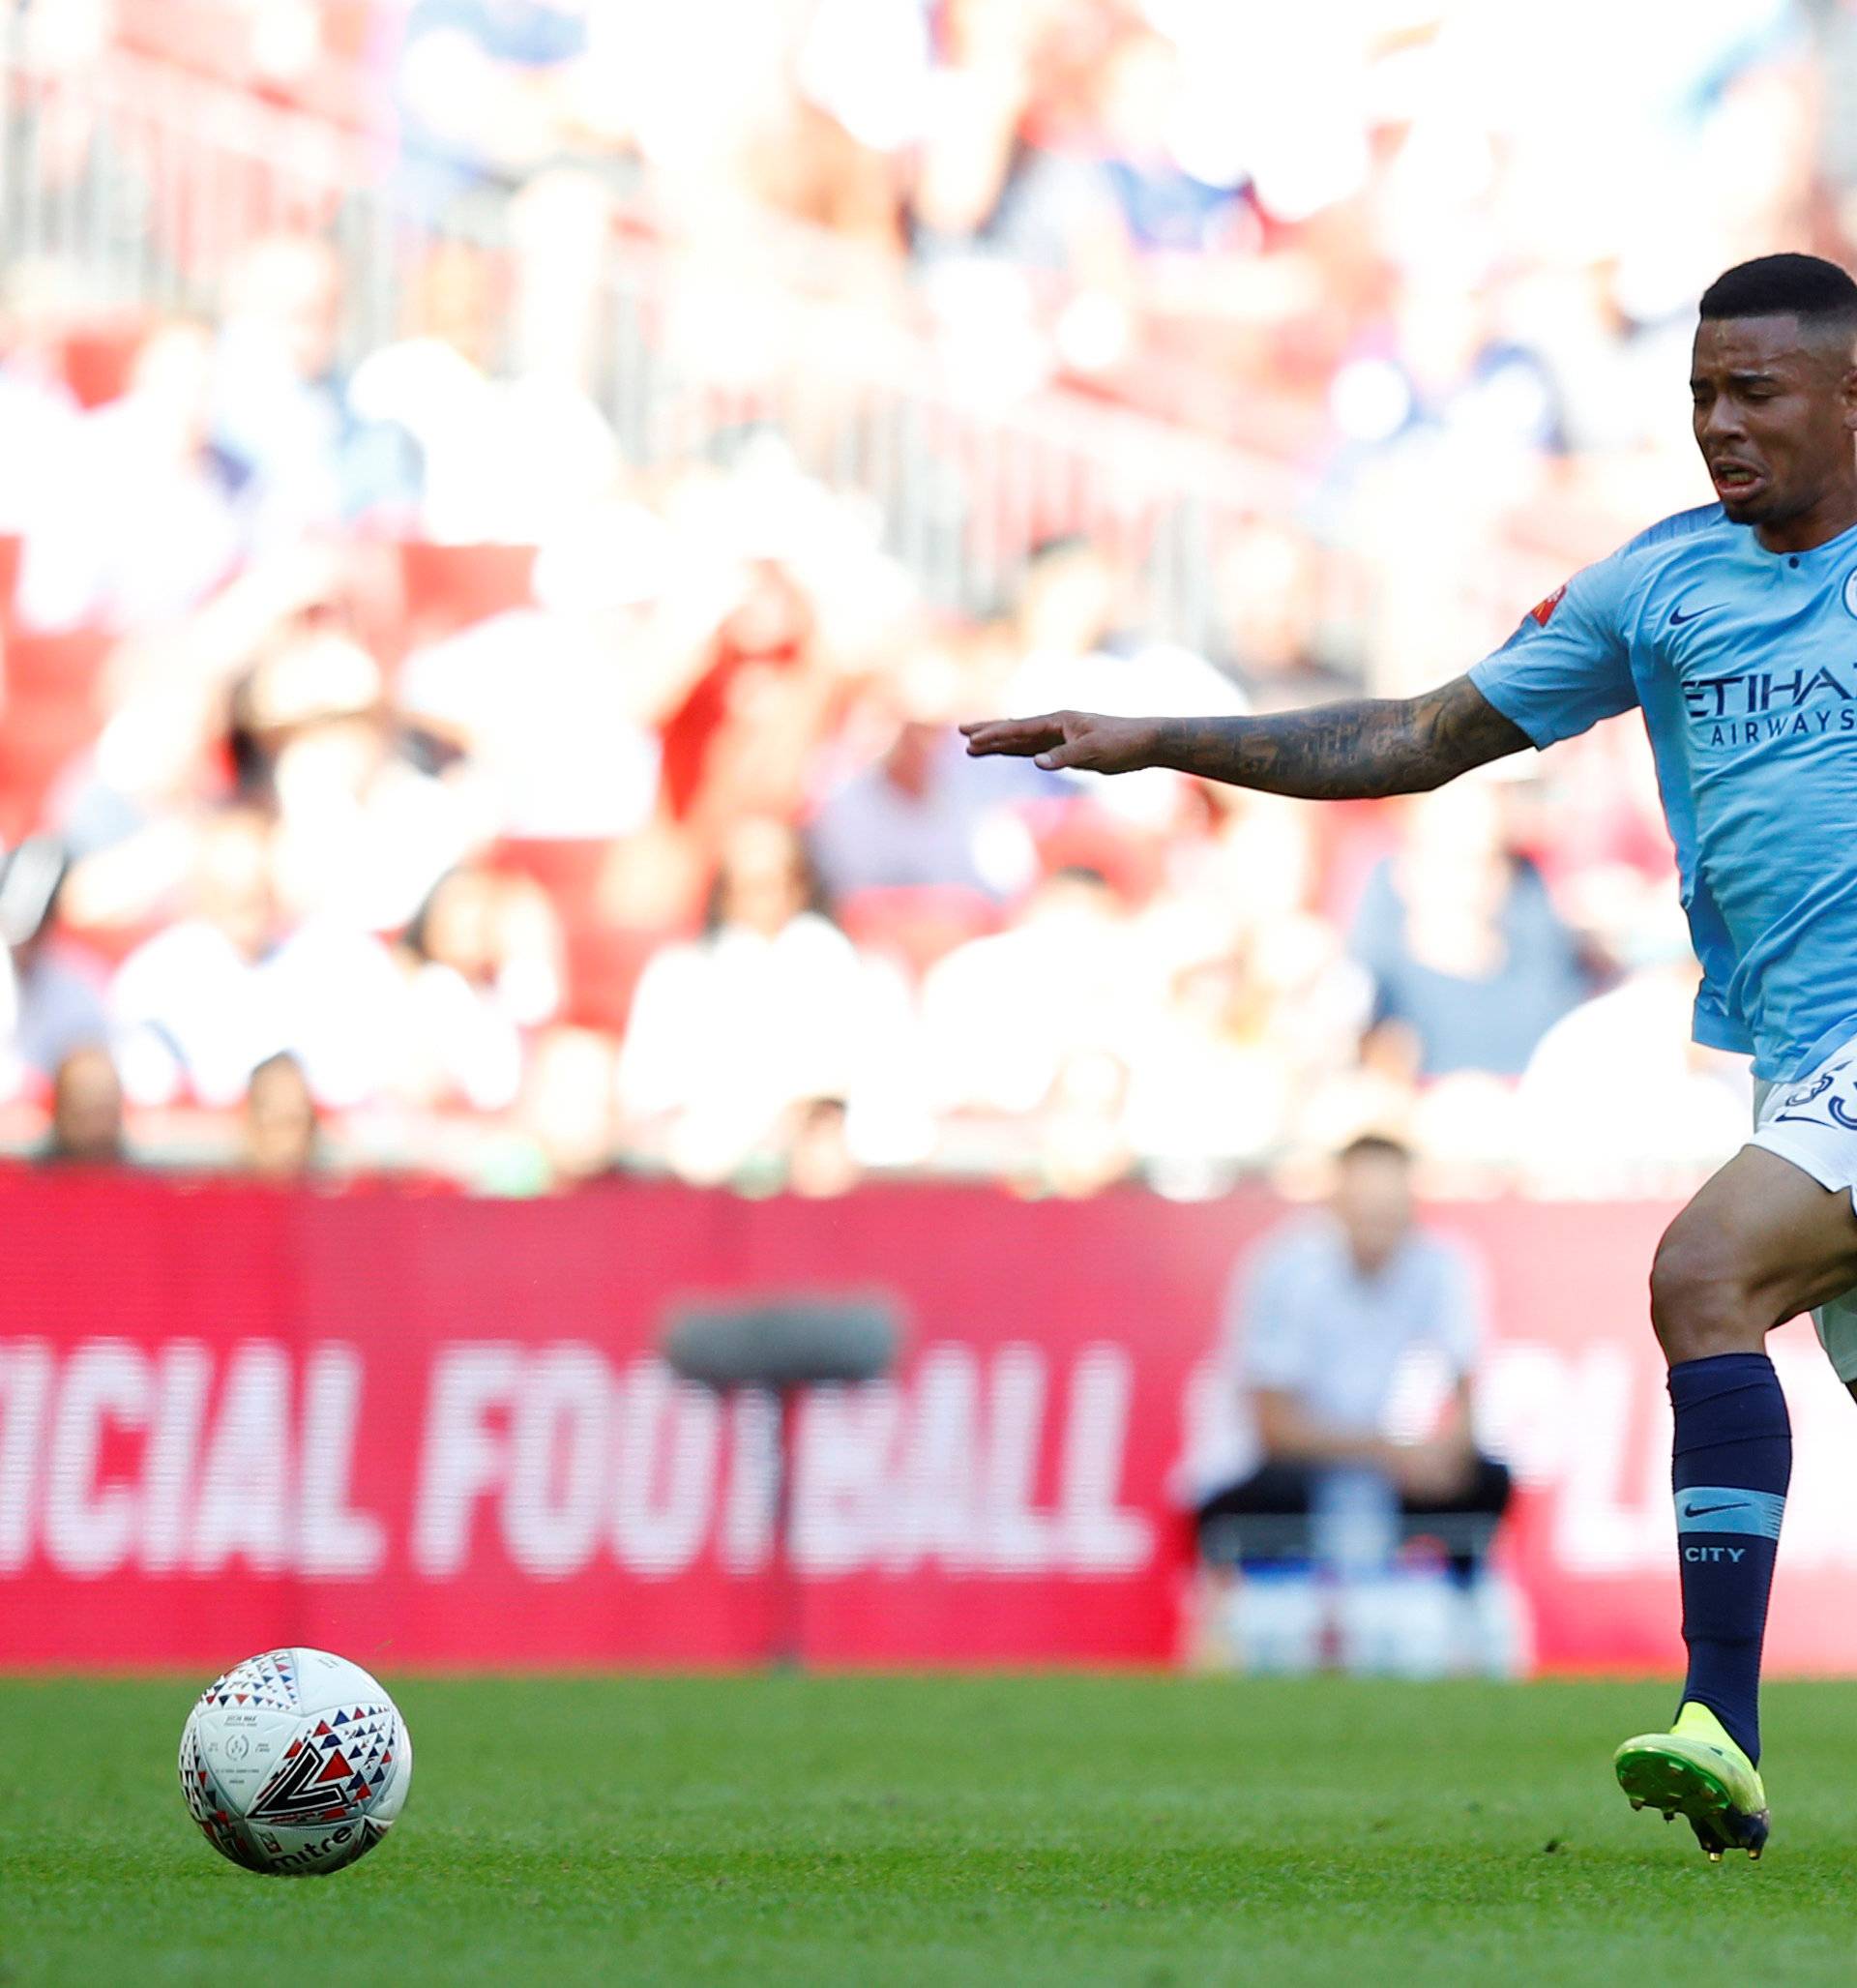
x=1700 y=1303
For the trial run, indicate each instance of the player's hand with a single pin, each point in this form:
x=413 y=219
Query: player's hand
x=1423 y=1471
x=1079 y=739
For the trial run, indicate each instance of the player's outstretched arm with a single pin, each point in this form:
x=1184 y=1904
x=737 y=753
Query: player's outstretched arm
x=1360 y=749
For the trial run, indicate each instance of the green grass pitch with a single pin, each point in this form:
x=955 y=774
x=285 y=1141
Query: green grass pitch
x=821 y=1831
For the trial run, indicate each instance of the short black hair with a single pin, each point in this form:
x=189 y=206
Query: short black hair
x=1807 y=287
x=1374 y=1146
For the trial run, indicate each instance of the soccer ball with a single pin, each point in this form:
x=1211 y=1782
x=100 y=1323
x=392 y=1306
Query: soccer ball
x=295 y=1763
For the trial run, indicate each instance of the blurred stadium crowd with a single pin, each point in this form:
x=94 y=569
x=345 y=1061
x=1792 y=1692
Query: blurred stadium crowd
x=401 y=766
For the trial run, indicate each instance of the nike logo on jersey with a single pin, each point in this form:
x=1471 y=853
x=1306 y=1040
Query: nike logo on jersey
x=1678 y=618
x=1703 y=1511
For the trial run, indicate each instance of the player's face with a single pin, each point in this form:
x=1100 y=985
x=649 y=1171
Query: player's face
x=1774 y=411
x=1373 y=1199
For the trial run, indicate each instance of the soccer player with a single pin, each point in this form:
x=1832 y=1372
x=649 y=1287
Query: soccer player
x=1733 y=628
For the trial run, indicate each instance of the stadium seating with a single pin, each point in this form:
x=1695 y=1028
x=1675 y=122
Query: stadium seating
x=917 y=924
x=448 y=588
x=98 y=358
x=326 y=78
x=50 y=716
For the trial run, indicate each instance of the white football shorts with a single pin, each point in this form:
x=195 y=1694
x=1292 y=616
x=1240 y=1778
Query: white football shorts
x=1813 y=1124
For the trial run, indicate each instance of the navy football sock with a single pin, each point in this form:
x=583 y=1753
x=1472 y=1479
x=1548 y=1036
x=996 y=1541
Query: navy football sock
x=1731 y=1463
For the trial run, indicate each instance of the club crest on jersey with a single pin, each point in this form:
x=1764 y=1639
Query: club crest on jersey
x=1850 y=591
x=1543 y=611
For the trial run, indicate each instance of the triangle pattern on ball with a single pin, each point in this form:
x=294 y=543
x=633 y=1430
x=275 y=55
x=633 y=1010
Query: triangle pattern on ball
x=301 y=1787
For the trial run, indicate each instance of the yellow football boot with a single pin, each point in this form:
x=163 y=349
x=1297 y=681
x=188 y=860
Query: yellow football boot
x=1696 y=1771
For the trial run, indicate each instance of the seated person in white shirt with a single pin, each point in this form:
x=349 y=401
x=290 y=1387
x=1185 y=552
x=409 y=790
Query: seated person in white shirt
x=1332 y=1318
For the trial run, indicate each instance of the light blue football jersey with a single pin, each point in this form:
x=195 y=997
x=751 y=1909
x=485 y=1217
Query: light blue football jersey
x=1744 y=663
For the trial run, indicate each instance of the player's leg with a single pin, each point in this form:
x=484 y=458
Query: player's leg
x=1274 y=1491
x=1255 y=1606
x=1762 y=1241
x=1836 y=1321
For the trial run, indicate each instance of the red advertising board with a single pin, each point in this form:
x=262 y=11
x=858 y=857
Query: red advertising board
x=434 y=1431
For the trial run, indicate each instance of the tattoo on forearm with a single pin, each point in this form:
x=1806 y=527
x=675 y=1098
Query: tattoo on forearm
x=1360 y=749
